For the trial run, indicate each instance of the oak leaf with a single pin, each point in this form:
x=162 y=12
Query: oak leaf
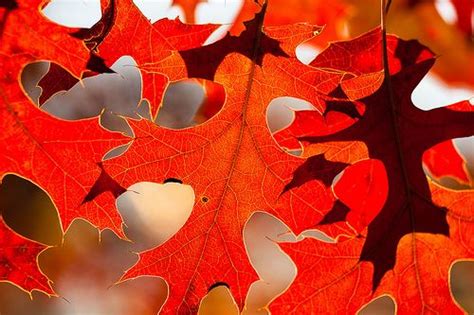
x=230 y=160
x=420 y=224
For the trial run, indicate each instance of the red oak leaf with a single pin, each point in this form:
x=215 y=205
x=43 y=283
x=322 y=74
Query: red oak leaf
x=420 y=223
x=230 y=161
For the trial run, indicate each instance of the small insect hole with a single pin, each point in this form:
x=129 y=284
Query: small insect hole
x=204 y=199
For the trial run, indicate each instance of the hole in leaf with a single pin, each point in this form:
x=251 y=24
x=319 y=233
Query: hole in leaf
x=466 y=148
x=280 y=114
x=218 y=301
x=29 y=211
x=280 y=111
x=306 y=53
x=30 y=76
x=117 y=151
x=204 y=199
x=276 y=270
x=15 y=301
x=382 y=305
x=112 y=96
x=432 y=92
x=154 y=212
x=450 y=163
x=85 y=269
x=157 y=10
x=68 y=13
x=217 y=12
x=319 y=235
x=190 y=102
x=462 y=284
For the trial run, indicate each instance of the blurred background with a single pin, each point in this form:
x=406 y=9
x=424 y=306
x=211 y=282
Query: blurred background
x=85 y=264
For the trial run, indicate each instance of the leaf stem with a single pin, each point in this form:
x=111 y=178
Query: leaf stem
x=385 y=5
x=395 y=111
